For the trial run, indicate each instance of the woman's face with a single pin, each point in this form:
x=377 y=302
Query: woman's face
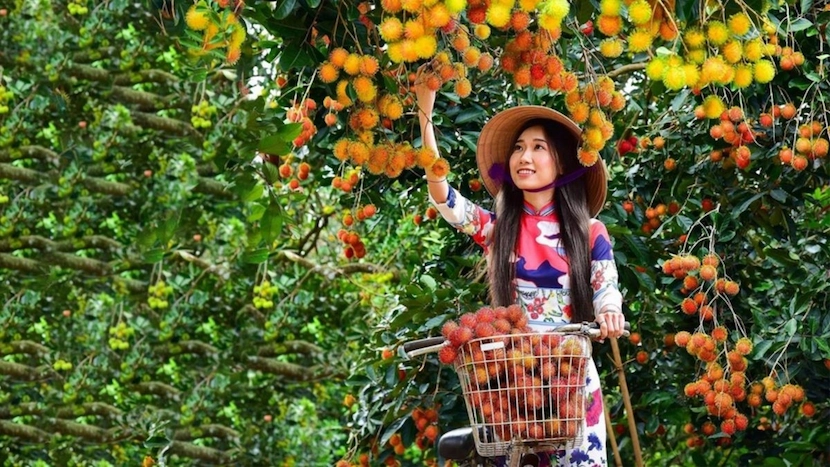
x=533 y=162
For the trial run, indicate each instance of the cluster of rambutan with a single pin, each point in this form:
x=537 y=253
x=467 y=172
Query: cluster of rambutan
x=654 y=215
x=347 y=182
x=390 y=159
x=695 y=272
x=228 y=33
x=789 y=59
x=809 y=145
x=413 y=35
x=523 y=384
x=300 y=113
x=718 y=53
x=530 y=59
x=353 y=244
x=286 y=170
x=426 y=422
x=734 y=130
x=443 y=70
x=587 y=108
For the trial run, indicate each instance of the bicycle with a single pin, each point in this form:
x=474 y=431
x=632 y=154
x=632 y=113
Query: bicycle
x=523 y=394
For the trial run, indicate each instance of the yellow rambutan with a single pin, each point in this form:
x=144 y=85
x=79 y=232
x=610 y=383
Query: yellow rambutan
x=352 y=64
x=714 y=68
x=753 y=50
x=639 y=41
x=425 y=157
x=552 y=25
x=692 y=74
x=694 y=38
x=409 y=50
x=597 y=118
x=461 y=42
x=394 y=110
x=365 y=89
x=609 y=25
x=338 y=57
x=368 y=65
x=412 y=6
x=610 y=7
x=743 y=76
x=341 y=149
x=238 y=35
x=455 y=6
x=739 y=24
x=580 y=112
x=425 y=46
x=639 y=12
x=342 y=95
x=440 y=168
x=732 y=51
x=481 y=31
x=498 y=15
x=395 y=52
x=764 y=71
x=366 y=137
x=391 y=29
x=328 y=72
x=558 y=9
x=592 y=137
x=196 y=18
x=528 y=5
x=713 y=106
x=717 y=33
x=438 y=16
x=656 y=68
x=391 y=6
x=413 y=29
x=611 y=47
x=675 y=78
x=463 y=87
x=696 y=56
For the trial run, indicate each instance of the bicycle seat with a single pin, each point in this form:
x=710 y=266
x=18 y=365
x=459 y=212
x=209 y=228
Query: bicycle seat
x=456 y=444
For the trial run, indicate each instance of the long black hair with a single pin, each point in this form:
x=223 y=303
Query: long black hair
x=571 y=206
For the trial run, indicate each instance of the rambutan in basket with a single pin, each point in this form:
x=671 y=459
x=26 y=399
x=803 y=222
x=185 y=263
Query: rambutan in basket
x=525 y=389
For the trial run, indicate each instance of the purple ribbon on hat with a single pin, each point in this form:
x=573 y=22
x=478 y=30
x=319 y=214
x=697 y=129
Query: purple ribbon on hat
x=498 y=173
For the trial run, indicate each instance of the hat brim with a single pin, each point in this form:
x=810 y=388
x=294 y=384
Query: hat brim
x=497 y=138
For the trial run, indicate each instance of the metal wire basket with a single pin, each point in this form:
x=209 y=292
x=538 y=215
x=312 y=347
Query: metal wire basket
x=525 y=389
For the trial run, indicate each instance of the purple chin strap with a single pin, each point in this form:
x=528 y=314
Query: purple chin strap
x=499 y=173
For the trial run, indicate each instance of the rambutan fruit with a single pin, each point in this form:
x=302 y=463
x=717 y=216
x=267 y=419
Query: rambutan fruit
x=196 y=18
x=391 y=6
x=351 y=65
x=438 y=16
x=611 y=47
x=639 y=41
x=485 y=62
x=368 y=65
x=477 y=15
x=609 y=25
x=470 y=56
x=639 y=12
x=656 y=68
x=391 y=29
x=739 y=24
x=717 y=33
x=425 y=46
x=440 y=168
x=588 y=157
x=484 y=330
x=519 y=20
x=522 y=76
x=610 y=7
x=732 y=51
x=460 y=336
x=447 y=354
x=764 y=71
x=498 y=15
x=675 y=78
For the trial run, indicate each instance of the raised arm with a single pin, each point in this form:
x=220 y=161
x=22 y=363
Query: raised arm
x=438 y=186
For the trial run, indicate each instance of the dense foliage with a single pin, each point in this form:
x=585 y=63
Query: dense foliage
x=215 y=233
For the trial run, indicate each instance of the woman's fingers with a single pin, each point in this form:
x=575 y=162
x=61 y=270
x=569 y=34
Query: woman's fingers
x=611 y=324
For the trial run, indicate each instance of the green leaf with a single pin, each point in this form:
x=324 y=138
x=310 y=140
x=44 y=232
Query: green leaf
x=743 y=206
x=284 y=8
x=806 y=5
x=153 y=256
x=469 y=115
x=255 y=193
x=255 y=256
x=274 y=144
x=799 y=25
x=294 y=55
x=156 y=442
x=167 y=228
x=271 y=224
x=257 y=210
x=791 y=327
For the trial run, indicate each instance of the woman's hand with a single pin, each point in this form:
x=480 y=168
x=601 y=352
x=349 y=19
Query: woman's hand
x=424 y=95
x=611 y=323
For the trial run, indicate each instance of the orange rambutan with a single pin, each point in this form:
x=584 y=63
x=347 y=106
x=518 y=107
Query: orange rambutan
x=351 y=65
x=328 y=72
x=440 y=168
x=391 y=29
x=365 y=89
x=368 y=65
x=609 y=25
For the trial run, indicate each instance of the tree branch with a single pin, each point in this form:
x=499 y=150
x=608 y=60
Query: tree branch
x=206 y=431
x=167 y=125
x=33 y=177
x=70 y=245
x=626 y=69
x=22 y=372
x=83 y=430
x=24 y=346
x=148 y=100
x=289 y=347
x=91 y=73
x=30 y=152
x=291 y=371
x=332 y=271
x=19 y=430
x=185 y=347
x=190 y=450
x=159 y=389
x=8 y=261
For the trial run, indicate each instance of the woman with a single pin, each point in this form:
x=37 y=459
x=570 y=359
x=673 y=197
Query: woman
x=544 y=249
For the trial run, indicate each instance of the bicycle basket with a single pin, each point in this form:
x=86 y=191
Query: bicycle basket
x=526 y=389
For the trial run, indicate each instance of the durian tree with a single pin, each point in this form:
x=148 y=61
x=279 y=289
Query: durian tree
x=216 y=232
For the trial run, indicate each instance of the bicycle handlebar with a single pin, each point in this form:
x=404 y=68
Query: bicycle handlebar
x=418 y=347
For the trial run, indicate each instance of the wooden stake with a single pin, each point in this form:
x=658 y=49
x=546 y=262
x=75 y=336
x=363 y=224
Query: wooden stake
x=632 y=425
x=611 y=436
